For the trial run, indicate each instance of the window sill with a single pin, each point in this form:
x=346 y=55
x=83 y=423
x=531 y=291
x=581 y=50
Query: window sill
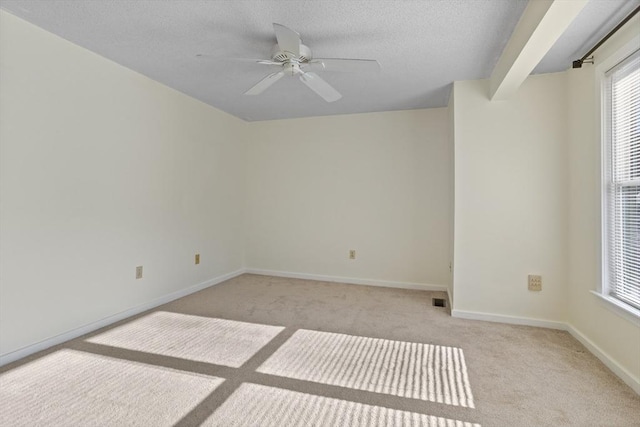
x=618 y=307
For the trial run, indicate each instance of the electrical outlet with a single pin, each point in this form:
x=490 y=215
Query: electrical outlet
x=139 y=272
x=535 y=283
x=197 y=259
x=352 y=254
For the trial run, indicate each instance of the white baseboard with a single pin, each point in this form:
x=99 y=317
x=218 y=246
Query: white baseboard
x=513 y=320
x=74 y=333
x=615 y=367
x=349 y=280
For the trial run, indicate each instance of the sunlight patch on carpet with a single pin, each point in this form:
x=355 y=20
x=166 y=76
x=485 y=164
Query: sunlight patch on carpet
x=413 y=370
x=72 y=388
x=257 y=405
x=196 y=338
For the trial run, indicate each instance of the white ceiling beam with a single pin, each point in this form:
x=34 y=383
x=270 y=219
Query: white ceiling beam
x=541 y=24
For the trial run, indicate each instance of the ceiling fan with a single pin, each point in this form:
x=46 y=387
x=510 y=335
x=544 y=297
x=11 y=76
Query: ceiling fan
x=296 y=59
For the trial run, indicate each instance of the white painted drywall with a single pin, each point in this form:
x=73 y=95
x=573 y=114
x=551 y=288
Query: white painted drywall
x=511 y=199
x=540 y=26
x=103 y=169
x=616 y=336
x=451 y=109
x=377 y=183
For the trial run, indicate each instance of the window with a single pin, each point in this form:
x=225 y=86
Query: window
x=622 y=188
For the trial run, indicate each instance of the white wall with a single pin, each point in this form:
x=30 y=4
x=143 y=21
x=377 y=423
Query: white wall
x=511 y=199
x=102 y=170
x=378 y=183
x=613 y=335
x=451 y=117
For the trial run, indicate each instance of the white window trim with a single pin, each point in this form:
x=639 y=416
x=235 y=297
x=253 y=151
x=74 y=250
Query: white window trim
x=618 y=307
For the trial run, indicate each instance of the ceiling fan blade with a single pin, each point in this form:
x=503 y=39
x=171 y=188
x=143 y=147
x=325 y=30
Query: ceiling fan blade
x=345 y=65
x=268 y=62
x=263 y=84
x=288 y=40
x=259 y=61
x=319 y=86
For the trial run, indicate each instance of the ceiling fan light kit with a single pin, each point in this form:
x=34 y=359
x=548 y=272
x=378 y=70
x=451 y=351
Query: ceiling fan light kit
x=296 y=59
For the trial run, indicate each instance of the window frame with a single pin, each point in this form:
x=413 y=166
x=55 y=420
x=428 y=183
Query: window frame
x=618 y=306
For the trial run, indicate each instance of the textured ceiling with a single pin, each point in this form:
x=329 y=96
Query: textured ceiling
x=595 y=20
x=422 y=46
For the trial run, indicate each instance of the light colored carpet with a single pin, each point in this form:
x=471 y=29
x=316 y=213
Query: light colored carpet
x=412 y=370
x=191 y=337
x=72 y=388
x=134 y=373
x=269 y=406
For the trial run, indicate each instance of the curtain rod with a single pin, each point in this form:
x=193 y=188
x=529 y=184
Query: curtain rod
x=589 y=60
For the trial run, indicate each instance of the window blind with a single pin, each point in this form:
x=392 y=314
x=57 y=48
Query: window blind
x=622 y=136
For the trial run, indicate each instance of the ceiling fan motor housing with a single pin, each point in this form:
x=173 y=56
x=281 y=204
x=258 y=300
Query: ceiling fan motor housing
x=291 y=68
x=279 y=55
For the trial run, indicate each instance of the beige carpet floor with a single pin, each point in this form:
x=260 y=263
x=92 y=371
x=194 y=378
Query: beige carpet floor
x=266 y=351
